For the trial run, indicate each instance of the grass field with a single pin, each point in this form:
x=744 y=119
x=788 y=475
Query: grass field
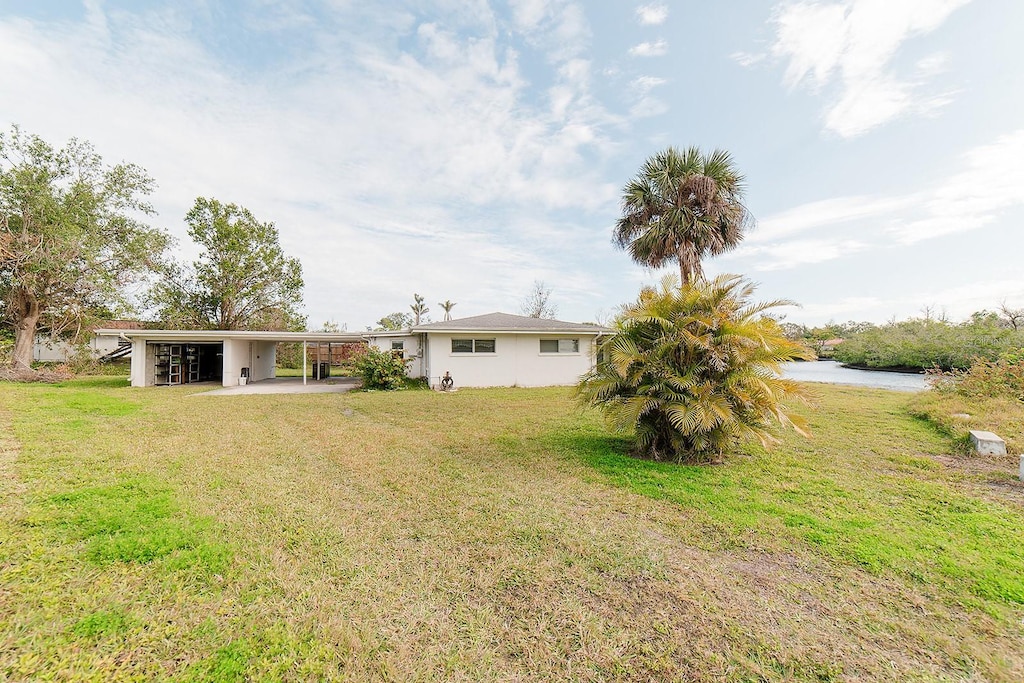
x=490 y=535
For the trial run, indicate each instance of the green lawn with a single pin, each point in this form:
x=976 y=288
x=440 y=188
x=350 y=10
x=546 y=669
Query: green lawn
x=490 y=535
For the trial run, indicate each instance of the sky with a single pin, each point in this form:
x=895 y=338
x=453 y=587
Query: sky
x=466 y=149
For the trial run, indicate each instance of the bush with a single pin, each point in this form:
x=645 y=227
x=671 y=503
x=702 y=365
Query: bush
x=1002 y=378
x=382 y=369
x=695 y=369
x=926 y=343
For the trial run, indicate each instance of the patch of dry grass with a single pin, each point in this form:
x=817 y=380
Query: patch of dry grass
x=480 y=535
x=957 y=415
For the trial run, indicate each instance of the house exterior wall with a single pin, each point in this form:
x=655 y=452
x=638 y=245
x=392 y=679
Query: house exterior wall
x=412 y=348
x=516 y=361
x=264 y=360
x=236 y=357
x=50 y=350
x=143 y=359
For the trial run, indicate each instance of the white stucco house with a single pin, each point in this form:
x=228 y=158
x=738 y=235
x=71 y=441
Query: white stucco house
x=496 y=350
x=492 y=350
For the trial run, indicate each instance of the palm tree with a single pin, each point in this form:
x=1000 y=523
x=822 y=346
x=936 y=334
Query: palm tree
x=447 y=306
x=692 y=370
x=419 y=308
x=681 y=207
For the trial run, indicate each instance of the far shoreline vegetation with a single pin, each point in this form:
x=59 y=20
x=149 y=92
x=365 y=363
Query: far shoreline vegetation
x=919 y=344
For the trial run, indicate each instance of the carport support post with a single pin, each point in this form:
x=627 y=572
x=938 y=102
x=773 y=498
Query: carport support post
x=303 y=362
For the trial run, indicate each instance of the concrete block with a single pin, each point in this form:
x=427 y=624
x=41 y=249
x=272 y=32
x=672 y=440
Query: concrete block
x=987 y=443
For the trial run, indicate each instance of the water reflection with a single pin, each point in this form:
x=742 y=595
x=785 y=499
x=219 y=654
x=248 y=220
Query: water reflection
x=833 y=373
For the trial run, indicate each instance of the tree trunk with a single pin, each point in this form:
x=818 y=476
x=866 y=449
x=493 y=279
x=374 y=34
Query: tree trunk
x=689 y=264
x=26 y=308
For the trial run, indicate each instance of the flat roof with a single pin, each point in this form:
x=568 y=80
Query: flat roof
x=221 y=335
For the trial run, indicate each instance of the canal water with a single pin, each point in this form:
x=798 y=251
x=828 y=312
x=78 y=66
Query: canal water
x=834 y=373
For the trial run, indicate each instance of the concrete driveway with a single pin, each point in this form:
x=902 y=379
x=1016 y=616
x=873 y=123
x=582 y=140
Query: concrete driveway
x=289 y=385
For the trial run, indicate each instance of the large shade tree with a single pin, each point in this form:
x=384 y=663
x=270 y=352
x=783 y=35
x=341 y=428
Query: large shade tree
x=693 y=370
x=72 y=237
x=242 y=280
x=683 y=206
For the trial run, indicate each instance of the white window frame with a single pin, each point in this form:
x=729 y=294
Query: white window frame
x=474 y=342
x=573 y=344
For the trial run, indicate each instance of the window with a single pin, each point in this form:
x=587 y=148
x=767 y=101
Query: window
x=559 y=345
x=473 y=346
x=398 y=348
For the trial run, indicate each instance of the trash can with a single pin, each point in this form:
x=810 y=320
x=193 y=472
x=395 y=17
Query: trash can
x=244 y=378
x=325 y=370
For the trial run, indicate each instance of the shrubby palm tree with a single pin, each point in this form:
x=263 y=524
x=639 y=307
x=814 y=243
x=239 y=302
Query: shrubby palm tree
x=682 y=206
x=695 y=369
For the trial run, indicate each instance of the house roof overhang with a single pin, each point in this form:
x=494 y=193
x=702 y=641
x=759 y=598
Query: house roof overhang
x=212 y=336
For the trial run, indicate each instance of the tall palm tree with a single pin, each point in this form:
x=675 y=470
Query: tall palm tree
x=692 y=370
x=447 y=306
x=419 y=309
x=683 y=205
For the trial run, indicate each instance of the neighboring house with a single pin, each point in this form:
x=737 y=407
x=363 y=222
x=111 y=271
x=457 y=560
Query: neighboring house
x=831 y=344
x=496 y=349
x=49 y=349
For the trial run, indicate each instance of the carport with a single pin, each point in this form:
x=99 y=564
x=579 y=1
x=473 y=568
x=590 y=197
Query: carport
x=171 y=357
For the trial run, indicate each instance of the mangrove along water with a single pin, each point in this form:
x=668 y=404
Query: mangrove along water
x=834 y=373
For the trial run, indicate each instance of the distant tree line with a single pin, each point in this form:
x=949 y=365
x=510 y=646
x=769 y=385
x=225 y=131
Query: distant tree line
x=921 y=343
x=815 y=338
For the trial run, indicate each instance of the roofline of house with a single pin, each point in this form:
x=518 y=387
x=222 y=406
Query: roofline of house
x=595 y=331
x=221 y=335
x=333 y=337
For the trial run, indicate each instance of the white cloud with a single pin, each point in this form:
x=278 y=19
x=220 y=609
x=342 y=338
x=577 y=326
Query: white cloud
x=852 y=307
x=387 y=171
x=644 y=84
x=781 y=256
x=647 y=107
x=747 y=58
x=852 y=43
x=989 y=182
x=955 y=303
x=825 y=215
x=558 y=27
x=652 y=15
x=648 y=49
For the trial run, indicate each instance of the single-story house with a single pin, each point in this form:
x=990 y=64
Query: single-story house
x=50 y=349
x=496 y=349
x=170 y=357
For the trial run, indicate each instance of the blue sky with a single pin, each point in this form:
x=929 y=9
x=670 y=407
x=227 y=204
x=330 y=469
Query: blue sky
x=464 y=149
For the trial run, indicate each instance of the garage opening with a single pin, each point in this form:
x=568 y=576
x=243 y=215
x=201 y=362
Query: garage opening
x=188 y=363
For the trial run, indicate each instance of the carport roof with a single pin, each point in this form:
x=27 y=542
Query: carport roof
x=222 y=335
